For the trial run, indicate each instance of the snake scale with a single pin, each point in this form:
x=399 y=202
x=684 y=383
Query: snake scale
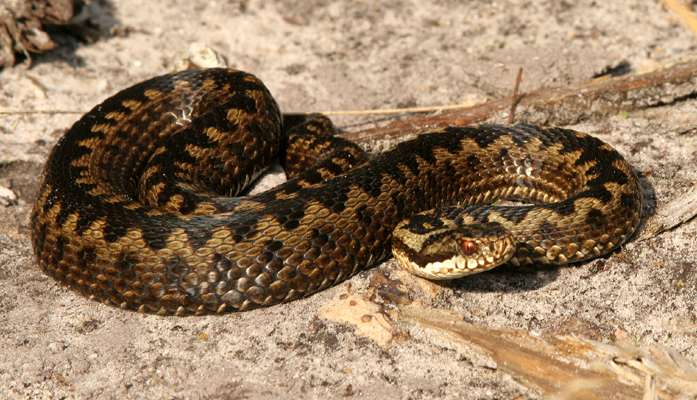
x=134 y=209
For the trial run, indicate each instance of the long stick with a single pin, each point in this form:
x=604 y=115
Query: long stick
x=558 y=106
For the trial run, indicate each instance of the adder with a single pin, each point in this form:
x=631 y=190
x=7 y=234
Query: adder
x=134 y=209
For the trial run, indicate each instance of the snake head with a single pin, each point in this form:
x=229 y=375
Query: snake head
x=440 y=250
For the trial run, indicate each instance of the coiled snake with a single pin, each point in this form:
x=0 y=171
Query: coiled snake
x=133 y=207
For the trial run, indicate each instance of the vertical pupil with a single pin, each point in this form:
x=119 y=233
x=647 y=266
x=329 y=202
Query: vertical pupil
x=468 y=247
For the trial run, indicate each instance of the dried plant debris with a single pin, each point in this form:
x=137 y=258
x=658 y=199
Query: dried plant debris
x=558 y=105
x=567 y=367
x=22 y=25
x=672 y=215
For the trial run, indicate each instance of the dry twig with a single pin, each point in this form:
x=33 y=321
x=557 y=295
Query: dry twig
x=672 y=214
x=558 y=106
x=514 y=103
x=567 y=367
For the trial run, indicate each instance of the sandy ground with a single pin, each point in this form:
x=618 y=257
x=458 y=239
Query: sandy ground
x=342 y=55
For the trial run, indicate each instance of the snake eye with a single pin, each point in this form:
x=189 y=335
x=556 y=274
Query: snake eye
x=468 y=247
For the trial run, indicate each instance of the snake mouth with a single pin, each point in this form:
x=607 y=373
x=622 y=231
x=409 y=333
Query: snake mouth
x=453 y=252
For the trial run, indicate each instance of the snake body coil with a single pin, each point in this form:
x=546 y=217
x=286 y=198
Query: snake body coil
x=131 y=210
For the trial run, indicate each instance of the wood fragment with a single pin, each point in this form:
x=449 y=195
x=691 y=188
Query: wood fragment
x=394 y=110
x=567 y=367
x=557 y=106
x=671 y=215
